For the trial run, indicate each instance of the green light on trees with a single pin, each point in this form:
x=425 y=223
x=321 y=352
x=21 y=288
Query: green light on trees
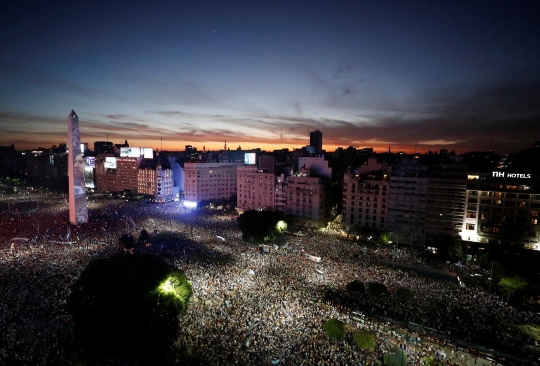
x=177 y=285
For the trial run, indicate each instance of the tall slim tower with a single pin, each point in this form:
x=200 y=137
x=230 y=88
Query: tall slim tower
x=315 y=141
x=78 y=211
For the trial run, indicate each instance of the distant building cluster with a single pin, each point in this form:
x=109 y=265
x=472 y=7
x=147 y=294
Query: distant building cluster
x=418 y=199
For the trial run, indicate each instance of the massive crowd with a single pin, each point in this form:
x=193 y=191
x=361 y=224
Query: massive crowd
x=248 y=307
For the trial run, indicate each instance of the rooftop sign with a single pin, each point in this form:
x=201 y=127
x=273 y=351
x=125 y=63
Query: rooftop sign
x=510 y=175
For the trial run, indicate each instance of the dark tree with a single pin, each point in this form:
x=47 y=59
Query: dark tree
x=126 y=308
x=404 y=295
x=356 y=286
x=376 y=289
x=144 y=237
x=260 y=225
x=126 y=241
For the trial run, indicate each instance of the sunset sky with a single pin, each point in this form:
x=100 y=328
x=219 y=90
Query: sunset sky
x=401 y=74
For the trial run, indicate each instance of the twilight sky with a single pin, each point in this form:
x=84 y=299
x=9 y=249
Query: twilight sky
x=409 y=75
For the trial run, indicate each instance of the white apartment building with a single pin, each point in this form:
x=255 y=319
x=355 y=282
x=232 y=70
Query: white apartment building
x=157 y=182
x=209 y=181
x=255 y=188
x=502 y=209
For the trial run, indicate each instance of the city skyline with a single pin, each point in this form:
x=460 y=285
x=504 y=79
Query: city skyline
x=412 y=77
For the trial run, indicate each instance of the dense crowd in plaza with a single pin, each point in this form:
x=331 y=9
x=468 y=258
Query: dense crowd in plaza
x=248 y=307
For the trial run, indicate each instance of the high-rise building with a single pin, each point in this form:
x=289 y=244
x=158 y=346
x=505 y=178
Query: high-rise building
x=315 y=141
x=446 y=200
x=103 y=147
x=407 y=205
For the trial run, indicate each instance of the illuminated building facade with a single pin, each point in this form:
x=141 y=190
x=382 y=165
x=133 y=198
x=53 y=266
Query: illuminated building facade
x=256 y=188
x=156 y=182
x=209 y=181
x=502 y=207
x=127 y=174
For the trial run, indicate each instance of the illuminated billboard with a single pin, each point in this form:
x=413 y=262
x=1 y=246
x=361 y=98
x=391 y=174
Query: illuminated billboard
x=190 y=204
x=90 y=161
x=110 y=162
x=249 y=158
x=130 y=152
x=137 y=152
x=89 y=177
x=148 y=152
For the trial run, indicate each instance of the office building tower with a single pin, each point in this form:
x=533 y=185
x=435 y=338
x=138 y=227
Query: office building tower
x=315 y=141
x=103 y=147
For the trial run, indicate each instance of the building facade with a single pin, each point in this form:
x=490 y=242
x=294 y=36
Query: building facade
x=209 y=181
x=156 y=182
x=308 y=197
x=256 y=188
x=127 y=174
x=315 y=141
x=446 y=200
x=407 y=204
x=502 y=208
x=365 y=199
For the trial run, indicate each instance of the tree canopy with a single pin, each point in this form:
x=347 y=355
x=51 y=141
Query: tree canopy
x=356 y=286
x=261 y=226
x=509 y=285
x=377 y=289
x=364 y=339
x=404 y=295
x=126 y=308
x=395 y=358
x=334 y=328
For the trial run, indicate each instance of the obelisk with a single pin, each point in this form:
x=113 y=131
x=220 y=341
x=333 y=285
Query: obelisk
x=78 y=210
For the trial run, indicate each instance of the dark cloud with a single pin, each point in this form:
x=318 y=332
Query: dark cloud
x=31 y=76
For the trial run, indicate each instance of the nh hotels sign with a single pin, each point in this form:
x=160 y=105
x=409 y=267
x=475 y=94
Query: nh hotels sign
x=509 y=175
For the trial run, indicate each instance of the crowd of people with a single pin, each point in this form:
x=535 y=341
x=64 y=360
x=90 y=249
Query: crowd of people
x=248 y=306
